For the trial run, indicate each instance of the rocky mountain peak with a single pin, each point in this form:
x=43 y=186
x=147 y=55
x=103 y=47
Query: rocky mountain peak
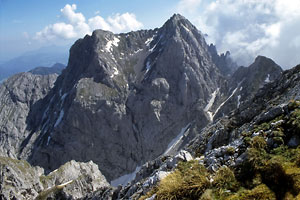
x=179 y=25
x=129 y=93
x=125 y=98
x=177 y=20
x=265 y=63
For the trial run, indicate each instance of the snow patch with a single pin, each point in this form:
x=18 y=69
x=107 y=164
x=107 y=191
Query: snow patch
x=123 y=180
x=156 y=44
x=188 y=30
x=138 y=50
x=267 y=80
x=149 y=40
x=116 y=72
x=177 y=139
x=111 y=43
x=210 y=103
x=225 y=102
x=61 y=115
x=238 y=101
x=148 y=66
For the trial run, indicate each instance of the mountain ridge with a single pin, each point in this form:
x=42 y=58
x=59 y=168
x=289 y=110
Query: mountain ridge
x=134 y=100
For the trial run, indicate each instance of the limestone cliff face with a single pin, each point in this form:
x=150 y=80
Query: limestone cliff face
x=124 y=97
x=18 y=95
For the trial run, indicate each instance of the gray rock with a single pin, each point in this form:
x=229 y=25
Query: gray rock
x=73 y=180
x=18 y=95
x=294 y=141
x=270 y=114
x=18 y=179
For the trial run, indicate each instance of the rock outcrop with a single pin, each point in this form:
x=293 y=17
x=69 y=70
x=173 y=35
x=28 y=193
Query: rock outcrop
x=73 y=180
x=18 y=95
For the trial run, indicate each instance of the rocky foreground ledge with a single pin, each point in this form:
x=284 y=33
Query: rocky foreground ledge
x=73 y=180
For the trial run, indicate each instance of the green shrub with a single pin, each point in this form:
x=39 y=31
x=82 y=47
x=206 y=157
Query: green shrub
x=258 y=142
x=225 y=179
x=258 y=193
x=293 y=104
x=230 y=150
x=294 y=121
x=188 y=181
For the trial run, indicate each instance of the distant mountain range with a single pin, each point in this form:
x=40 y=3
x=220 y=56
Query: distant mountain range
x=46 y=57
x=55 y=69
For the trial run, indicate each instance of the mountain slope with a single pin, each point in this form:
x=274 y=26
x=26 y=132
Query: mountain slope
x=129 y=94
x=242 y=85
x=251 y=154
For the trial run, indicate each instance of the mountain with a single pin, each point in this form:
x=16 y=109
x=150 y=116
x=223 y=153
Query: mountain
x=244 y=84
x=135 y=104
x=46 y=56
x=55 y=69
x=130 y=94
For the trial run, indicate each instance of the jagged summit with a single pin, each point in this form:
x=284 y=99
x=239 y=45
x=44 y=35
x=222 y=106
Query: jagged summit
x=139 y=89
x=131 y=94
x=178 y=20
x=265 y=63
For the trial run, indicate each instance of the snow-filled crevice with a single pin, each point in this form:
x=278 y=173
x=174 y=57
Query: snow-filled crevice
x=123 y=180
x=233 y=92
x=177 y=139
x=149 y=40
x=210 y=103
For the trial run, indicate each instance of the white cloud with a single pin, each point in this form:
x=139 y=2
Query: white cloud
x=98 y=22
x=121 y=22
x=249 y=28
x=189 y=5
x=69 y=13
x=76 y=26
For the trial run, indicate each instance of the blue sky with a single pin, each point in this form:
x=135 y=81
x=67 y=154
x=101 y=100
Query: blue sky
x=246 y=28
x=20 y=20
